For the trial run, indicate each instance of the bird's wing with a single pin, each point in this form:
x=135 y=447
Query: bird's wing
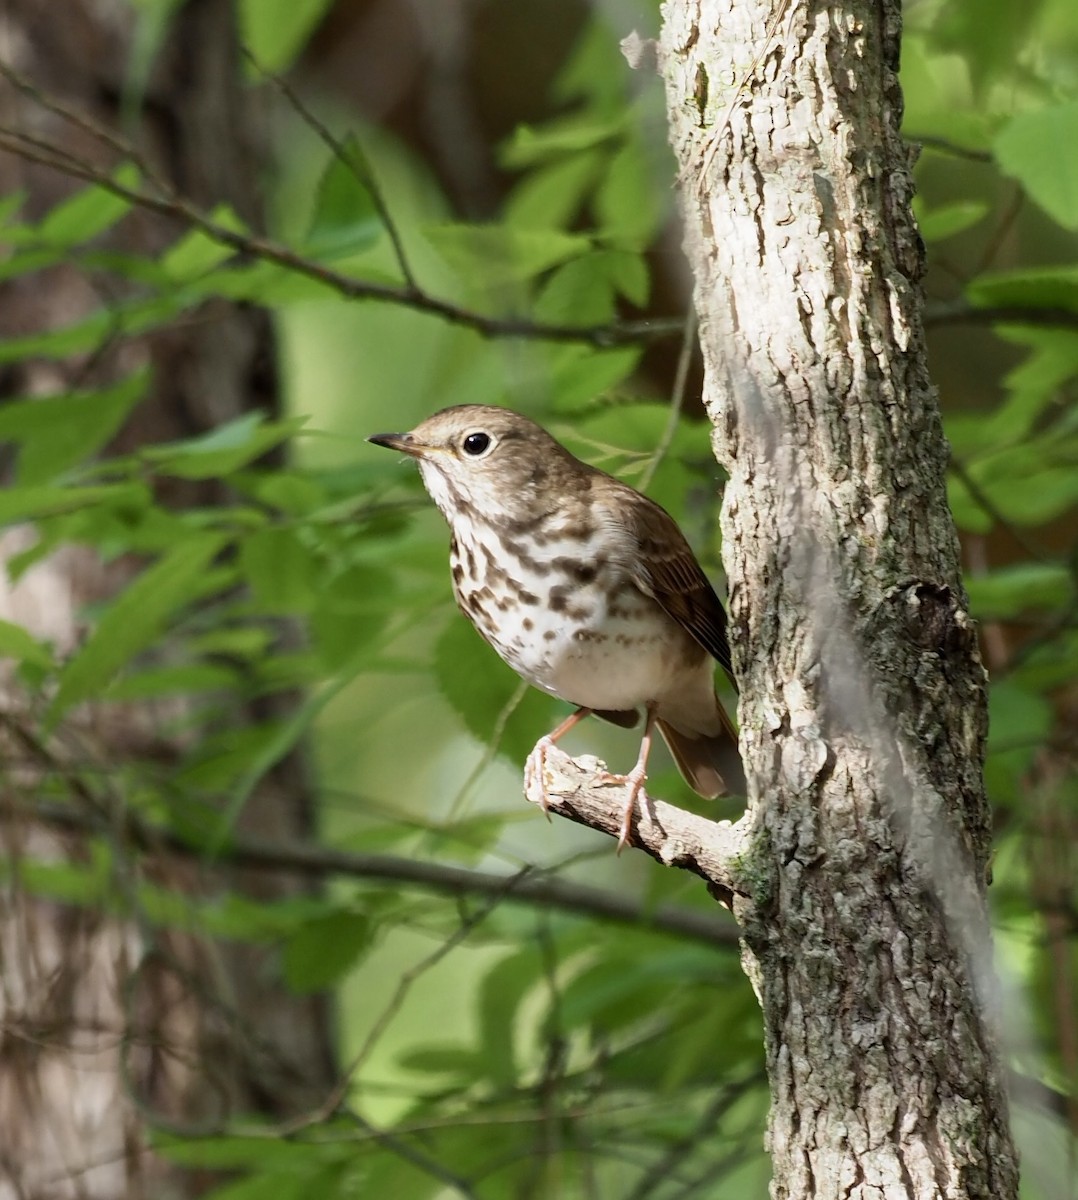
x=666 y=569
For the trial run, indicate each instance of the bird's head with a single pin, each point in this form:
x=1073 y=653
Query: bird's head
x=480 y=459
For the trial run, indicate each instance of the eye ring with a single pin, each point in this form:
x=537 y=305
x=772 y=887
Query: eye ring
x=476 y=443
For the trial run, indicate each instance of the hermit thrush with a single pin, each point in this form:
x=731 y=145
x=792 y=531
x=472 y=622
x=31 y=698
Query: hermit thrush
x=585 y=587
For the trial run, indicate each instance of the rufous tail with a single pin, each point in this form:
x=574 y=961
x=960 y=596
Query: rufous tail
x=711 y=766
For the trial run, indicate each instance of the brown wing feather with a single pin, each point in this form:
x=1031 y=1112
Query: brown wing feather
x=666 y=569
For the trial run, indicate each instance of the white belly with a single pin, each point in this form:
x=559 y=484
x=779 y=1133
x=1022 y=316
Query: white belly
x=598 y=643
x=609 y=659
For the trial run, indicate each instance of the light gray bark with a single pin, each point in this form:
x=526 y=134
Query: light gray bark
x=863 y=702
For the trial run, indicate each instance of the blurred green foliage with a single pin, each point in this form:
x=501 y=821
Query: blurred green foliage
x=575 y=1057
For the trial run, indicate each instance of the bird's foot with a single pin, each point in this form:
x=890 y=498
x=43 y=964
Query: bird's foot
x=635 y=781
x=535 y=774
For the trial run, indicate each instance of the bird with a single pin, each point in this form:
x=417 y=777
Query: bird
x=585 y=587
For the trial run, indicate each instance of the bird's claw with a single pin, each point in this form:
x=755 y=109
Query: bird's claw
x=535 y=774
x=635 y=781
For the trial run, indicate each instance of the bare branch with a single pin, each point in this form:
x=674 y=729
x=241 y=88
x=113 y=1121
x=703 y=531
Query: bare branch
x=359 y=169
x=165 y=201
x=323 y=861
x=961 y=313
x=946 y=146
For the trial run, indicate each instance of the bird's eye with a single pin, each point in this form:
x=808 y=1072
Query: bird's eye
x=476 y=444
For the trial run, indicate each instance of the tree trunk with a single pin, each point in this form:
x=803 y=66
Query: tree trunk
x=863 y=710
x=110 y=1026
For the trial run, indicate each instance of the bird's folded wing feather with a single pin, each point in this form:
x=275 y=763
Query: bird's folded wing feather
x=666 y=570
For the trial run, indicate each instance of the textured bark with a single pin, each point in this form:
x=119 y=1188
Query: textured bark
x=108 y=1027
x=863 y=700
x=672 y=836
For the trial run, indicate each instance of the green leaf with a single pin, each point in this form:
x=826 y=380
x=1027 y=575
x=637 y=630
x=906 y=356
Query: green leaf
x=26 y=261
x=578 y=293
x=227 y=759
x=28 y=503
x=989 y=34
x=566 y=135
x=482 y=689
x=1050 y=665
x=129 y=318
x=457 y=1062
x=1019 y=721
x=134 y=620
x=295 y=492
x=17 y=644
x=502 y=993
x=226 y=1153
x=594 y=71
x=55 y=432
x=628 y=272
x=579 y=374
x=1024 y=588
x=236 y=641
x=69 y=883
x=88 y=213
x=283 y=573
x=941 y=223
x=324 y=949
x=9 y=206
x=940 y=97
x=493 y=255
x=192 y=255
x=1036 y=148
x=584 y=291
x=1035 y=287
x=969 y=515
x=551 y=196
x=275 y=31
x=1033 y=385
x=351 y=611
x=224 y=449
x=164 y=681
x=1033 y=481
x=627 y=204
x=345 y=219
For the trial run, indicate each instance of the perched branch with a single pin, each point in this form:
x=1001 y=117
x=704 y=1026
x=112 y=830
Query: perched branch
x=672 y=836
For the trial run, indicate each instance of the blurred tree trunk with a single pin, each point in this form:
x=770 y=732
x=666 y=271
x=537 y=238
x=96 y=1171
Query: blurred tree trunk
x=863 y=702
x=106 y=1025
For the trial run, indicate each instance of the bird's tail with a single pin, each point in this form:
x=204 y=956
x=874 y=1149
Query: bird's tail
x=710 y=765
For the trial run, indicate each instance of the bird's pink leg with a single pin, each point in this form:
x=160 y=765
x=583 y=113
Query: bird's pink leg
x=535 y=767
x=636 y=779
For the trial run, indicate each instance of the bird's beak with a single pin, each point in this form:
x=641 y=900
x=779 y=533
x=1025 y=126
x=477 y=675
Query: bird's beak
x=404 y=442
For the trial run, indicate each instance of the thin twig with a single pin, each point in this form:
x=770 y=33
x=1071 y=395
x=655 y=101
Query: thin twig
x=989 y=508
x=334 y=1100
x=1003 y=227
x=363 y=175
x=944 y=146
x=960 y=312
x=681 y=1148
x=677 y=400
x=490 y=749
x=85 y=124
x=323 y=862
x=247 y=245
